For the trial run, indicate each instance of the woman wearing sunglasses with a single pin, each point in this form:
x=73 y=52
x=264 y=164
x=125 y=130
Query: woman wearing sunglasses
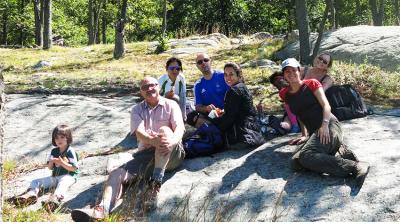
x=319 y=70
x=173 y=84
x=238 y=123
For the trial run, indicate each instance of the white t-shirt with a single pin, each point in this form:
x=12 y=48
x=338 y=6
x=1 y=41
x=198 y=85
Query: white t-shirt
x=179 y=86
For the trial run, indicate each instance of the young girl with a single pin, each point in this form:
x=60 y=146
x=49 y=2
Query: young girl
x=63 y=161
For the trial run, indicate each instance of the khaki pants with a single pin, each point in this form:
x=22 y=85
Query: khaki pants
x=321 y=157
x=143 y=161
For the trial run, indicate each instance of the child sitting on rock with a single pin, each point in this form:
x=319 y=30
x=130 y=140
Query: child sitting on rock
x=63 y=161
x=289 y=120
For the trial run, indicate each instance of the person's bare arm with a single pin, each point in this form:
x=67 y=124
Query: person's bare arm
x=327 y=83
x=323 y=131
x=50 y=164
x=304 y=135
x=146 y=138
x=63 y=162
x=204 y=109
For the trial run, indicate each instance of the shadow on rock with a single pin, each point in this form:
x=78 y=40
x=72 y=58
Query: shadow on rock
x=268 y=163
x=86 y=197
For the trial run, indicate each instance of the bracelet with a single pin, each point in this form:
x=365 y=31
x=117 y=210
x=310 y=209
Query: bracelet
x=325 y=120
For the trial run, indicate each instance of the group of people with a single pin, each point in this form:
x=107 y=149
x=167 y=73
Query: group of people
x=222 y=99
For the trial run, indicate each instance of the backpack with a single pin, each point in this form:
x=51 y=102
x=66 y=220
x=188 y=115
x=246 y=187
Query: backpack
x=206 y=140
x=346 y=103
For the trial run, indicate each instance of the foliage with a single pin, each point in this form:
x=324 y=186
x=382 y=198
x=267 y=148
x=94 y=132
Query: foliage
x=9 y=167
x=184 y=17
x=162 y=45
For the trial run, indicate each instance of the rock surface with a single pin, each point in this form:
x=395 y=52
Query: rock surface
x=243 y=185
x=261 y=63
x=377 y=45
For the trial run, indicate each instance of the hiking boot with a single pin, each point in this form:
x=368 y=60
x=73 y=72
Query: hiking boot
x=26 y=199
x=87 y=215
x=347 y=154
x=362 y=169
x=51 y=204
x=150 y=195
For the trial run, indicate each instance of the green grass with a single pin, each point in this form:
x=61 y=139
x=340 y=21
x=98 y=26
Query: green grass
x=92 y=67
x=9 y=167
x=13 y=214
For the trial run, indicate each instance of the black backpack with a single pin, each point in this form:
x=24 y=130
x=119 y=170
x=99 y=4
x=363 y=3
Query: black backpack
x=346 y=103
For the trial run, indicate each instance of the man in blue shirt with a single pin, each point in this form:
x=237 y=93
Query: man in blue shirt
x=209 y=91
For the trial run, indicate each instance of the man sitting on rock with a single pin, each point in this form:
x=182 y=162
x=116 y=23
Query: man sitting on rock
x=209 y=91
x=158 y=125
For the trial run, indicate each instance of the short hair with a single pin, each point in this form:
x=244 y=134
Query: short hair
x=274 y=75
x=191 y=116
x=61 y=130
x=173 y=59
x=330 y=58
x=236 y=68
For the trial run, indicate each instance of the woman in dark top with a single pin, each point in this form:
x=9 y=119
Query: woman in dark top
x=238 y=123
x=321 y=131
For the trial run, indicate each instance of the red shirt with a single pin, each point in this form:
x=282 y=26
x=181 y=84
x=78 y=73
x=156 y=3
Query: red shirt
x=304 y=104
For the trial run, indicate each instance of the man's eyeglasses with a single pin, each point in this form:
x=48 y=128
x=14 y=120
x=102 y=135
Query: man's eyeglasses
x=148 y=86
x=205 y=60
x=323 y=60
x=172 y=68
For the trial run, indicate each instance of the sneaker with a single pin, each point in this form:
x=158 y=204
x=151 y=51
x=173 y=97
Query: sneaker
x=86 y=215
x=345 y=153
x=26 y=199
x=150 y=195
x=362 y=169
x=51 y=204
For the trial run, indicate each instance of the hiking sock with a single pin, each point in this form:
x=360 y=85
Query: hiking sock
x=106 y=204
x=158 y=174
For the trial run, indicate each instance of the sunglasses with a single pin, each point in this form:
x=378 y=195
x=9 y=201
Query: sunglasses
x=172 y=68
x=205 y=60
x=323 y=60
x=148 y=86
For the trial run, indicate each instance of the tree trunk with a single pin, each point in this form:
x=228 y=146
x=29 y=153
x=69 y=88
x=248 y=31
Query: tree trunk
x=38 y=22
x=358 y=9
x=119 y=48
x=330 y=4
x=104 y=29
x=377 y=13
x=21 y=38
x=321 y=29
x=290 y=16
x=396 y=12
x=91 y=35
x=224 y=17
x=42 y=16
x=96 y=26
x=304 y=33
x=47 y=25
x=4 y=27
x=164 y=21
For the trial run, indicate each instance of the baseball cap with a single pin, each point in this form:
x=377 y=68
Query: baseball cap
x=292 y=62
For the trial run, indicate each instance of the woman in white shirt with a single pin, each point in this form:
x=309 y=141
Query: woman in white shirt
x=173 y=84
